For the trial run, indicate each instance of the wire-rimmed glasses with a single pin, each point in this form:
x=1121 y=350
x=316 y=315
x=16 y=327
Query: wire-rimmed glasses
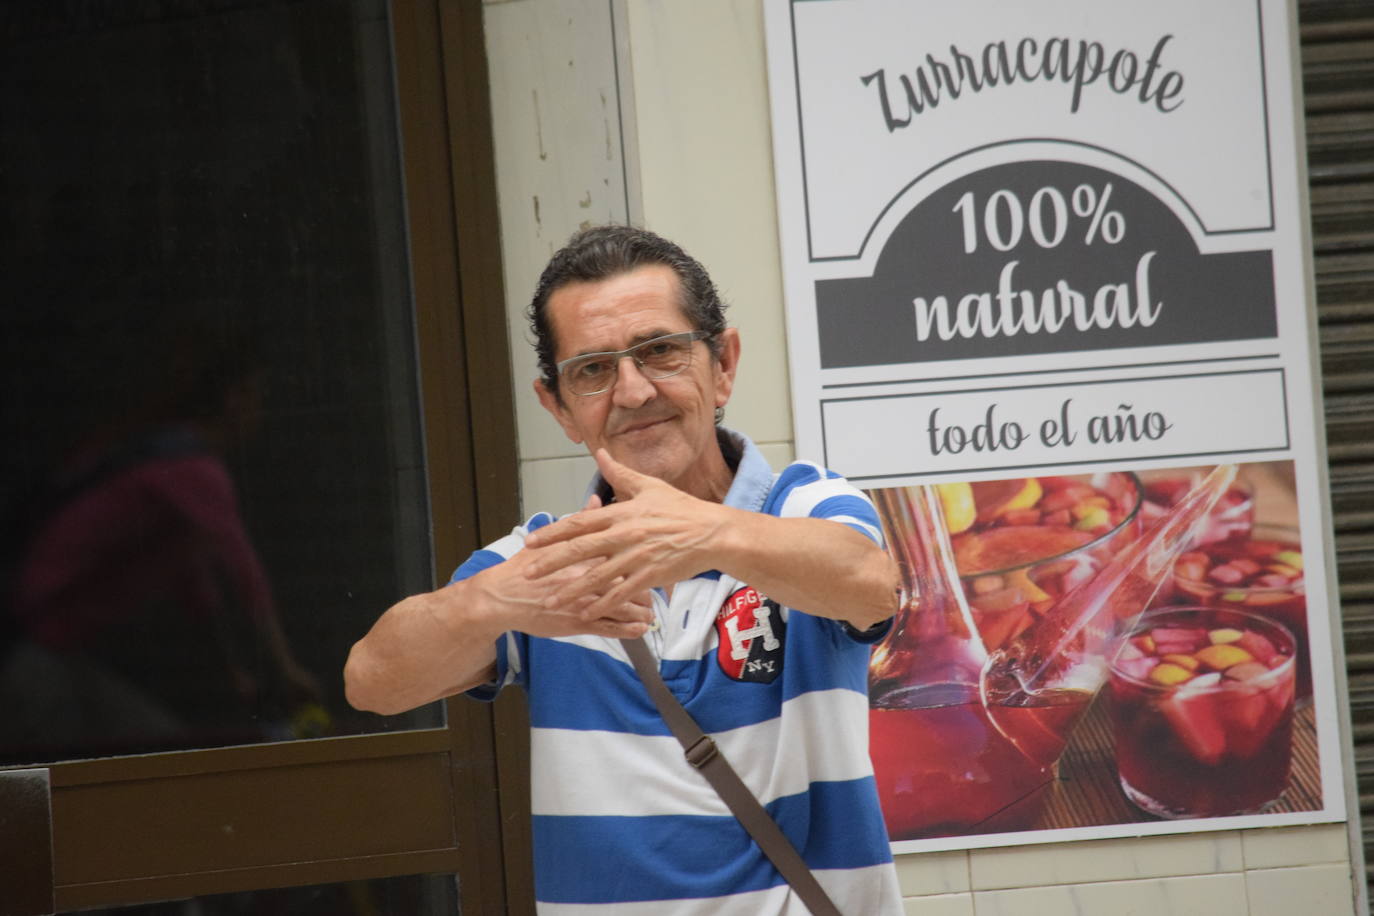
x=656 y=358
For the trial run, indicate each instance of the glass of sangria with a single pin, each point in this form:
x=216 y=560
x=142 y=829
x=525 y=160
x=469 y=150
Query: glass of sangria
x=1262 y=574
x=1021 y=544
x=1202 y=701
x=1233 y=516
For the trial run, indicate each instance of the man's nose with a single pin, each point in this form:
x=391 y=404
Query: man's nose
x=632 y=388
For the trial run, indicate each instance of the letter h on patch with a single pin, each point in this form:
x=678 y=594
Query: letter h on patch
x=750 y=630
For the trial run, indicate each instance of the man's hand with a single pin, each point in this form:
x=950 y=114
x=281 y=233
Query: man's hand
x=653 y=536
x=560 y=601
x=439 y=643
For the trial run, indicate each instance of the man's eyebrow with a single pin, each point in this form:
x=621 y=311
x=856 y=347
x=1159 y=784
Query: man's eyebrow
x=634 y=342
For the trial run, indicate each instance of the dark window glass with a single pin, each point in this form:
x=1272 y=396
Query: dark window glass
x=212 y=477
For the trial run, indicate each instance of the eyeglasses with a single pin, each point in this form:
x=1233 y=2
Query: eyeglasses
x=660 y=357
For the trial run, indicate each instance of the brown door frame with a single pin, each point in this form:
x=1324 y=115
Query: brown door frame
x=167 y=826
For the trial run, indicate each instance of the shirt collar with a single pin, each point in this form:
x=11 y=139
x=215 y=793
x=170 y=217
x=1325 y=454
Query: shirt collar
x=753 y=477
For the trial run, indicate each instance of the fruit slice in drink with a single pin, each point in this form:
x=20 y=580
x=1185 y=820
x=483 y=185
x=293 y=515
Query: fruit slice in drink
x=1202 y=712
x=1262 y=574
x=1032 y=540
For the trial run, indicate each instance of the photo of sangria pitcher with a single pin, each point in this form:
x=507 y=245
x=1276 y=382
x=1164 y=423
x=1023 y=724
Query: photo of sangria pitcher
x=966 y=730
x=1163 y=608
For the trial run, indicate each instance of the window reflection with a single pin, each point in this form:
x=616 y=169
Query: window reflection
x=213 y=478
x=143 y=612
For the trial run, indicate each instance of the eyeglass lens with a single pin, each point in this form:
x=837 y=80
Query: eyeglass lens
x=658 y=358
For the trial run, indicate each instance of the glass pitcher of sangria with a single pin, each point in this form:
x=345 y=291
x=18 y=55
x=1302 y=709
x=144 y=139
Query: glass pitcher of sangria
x=964 y=740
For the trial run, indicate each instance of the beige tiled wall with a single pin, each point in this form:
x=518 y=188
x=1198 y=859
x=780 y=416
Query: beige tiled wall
x=684 y=81
x=1291 y=870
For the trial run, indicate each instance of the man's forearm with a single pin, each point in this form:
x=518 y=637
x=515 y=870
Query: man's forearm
x=424 y=648
x=440 y=643
x=814 y=565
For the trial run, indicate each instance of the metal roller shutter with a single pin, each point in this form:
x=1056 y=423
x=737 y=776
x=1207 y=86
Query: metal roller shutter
x=1338 y=81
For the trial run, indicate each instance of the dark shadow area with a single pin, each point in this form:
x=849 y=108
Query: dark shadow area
x=212 y=477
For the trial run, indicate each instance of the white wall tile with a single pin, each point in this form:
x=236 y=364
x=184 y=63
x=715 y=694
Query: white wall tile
x=1105 y=860
x=778 y=454
x=944 y=905
x=1204 y=895
x=933 y=873
x=555 y=485
x=1315 y=890
x=1276 y=847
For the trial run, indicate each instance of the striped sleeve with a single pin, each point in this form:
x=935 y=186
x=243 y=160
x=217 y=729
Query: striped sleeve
x=807 y=490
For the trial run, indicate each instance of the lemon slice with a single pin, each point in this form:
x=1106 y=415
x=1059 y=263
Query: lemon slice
x=1026 y=497
x=994 y=497
x=957 y=501
x=1031 y=592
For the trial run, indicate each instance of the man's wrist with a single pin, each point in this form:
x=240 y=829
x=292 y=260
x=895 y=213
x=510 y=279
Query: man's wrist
x=739 y=538
x=466 y=610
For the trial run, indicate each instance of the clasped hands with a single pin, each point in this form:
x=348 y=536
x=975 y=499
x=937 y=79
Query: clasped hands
x=591 y=572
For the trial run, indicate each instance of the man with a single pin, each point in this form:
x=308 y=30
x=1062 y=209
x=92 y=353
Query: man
x=759 y=594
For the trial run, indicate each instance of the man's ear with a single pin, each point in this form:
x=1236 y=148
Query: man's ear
x=554 y=405
x=726 y=365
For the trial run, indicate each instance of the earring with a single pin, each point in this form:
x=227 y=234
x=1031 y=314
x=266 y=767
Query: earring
x=720 y=414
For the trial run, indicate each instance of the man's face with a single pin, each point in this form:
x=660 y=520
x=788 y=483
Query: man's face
x=664 y=427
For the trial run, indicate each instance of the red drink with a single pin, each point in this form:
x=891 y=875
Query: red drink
x=1202 y=710
x=947 y=769
x=1262 y=574
x=1034 y=539
x=935 y=752
x=1233 y=516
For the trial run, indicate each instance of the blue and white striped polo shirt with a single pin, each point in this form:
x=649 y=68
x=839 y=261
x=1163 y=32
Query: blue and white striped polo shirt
x=622 y=824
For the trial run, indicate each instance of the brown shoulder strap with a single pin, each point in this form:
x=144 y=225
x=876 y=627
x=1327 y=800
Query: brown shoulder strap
x=701 y=752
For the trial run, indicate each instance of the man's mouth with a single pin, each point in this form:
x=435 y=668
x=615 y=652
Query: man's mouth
x=638 y=426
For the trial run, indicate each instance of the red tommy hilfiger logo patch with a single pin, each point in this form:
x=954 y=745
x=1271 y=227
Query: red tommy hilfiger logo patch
x=750 y=628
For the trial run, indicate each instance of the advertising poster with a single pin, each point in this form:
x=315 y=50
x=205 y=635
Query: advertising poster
x=1048 y=303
